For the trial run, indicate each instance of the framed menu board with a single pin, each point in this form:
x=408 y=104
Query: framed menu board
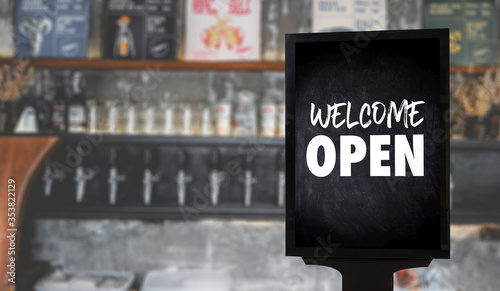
x=473 y=29
x=348 y=15
x=140 y=29
x=223 y=30
x=52 y=29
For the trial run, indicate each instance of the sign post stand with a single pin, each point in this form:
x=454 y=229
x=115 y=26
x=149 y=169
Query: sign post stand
x=367 y=274
x=367 y=152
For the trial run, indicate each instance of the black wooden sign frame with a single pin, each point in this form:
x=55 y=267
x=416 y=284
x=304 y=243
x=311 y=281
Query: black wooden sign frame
x=385 y=56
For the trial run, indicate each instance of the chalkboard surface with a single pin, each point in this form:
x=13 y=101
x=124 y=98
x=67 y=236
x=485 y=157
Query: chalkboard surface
x=367 y=154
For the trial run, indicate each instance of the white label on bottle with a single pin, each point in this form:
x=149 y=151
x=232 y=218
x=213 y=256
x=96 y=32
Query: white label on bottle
x=169 y=121
x=149 y=122
x=206 y=122
x=187 y=128
x=282 y=120
x=224 y=119
x=268 y=119
x=76 y=118
x=131 y=120
x=92 y=119
x=112 y=116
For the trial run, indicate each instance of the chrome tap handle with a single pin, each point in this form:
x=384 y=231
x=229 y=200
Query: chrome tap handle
x=149 y=179
x=182 y=177
x=112 y=185
x=215 y=178
x=151 y=161
x=248 y=188
x=281 y=188
x=248 y=181
x=48 y=178
x=114 y=179
x=81 y=178
x=181 y=188
x=116 y=161
x=281 y=178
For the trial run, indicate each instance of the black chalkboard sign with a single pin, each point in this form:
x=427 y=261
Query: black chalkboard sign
x=367 y=145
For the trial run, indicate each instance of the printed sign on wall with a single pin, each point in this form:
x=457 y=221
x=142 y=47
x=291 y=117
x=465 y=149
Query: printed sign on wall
x=473 y=29
x=348 y=15
x=222 y=30
x=140 y=29
x=52 y=29
x=367 y=144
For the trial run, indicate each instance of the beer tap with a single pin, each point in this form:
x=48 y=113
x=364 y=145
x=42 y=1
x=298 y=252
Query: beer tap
x=114 y=176
x=150 y=163
x=84 y=172
x=216 y=177
x=182 y=177
x=248 y=180
x=49 y=175
x=281 y=178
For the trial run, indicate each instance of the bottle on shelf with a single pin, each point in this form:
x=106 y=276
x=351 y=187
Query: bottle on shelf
x=273 y=95
x=92 y=116
x=59 y=105
x=77 y=117
x=224 y=110
x=130 y=114
x=268 y=115
x=187 y=118
x=112 y=117
x=245 y=115
x=168 y=107
x=271 y=30
x=149 y=120
x=206 y=125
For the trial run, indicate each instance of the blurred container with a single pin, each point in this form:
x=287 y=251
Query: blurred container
x=85 y=281
x=187 y=119
x=224 y=111
x=187 y=280
x=474 y=127
x=92 y=116
x=168 y=108
x=245 y=115
x=268 y=110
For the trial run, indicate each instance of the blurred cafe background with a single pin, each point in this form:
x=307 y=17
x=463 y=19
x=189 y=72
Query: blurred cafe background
x=152 y=135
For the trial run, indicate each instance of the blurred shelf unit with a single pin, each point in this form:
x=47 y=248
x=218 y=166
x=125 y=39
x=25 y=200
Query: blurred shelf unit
x=181 y=65
x=172 y=140
x=154 y=64
x=475 y=145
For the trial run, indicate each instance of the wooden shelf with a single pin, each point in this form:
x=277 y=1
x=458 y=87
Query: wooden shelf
x=180 y=65
x=153 y=64
x=470 y=69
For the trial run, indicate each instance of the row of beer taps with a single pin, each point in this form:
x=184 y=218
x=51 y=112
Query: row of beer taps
x=85 y=173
